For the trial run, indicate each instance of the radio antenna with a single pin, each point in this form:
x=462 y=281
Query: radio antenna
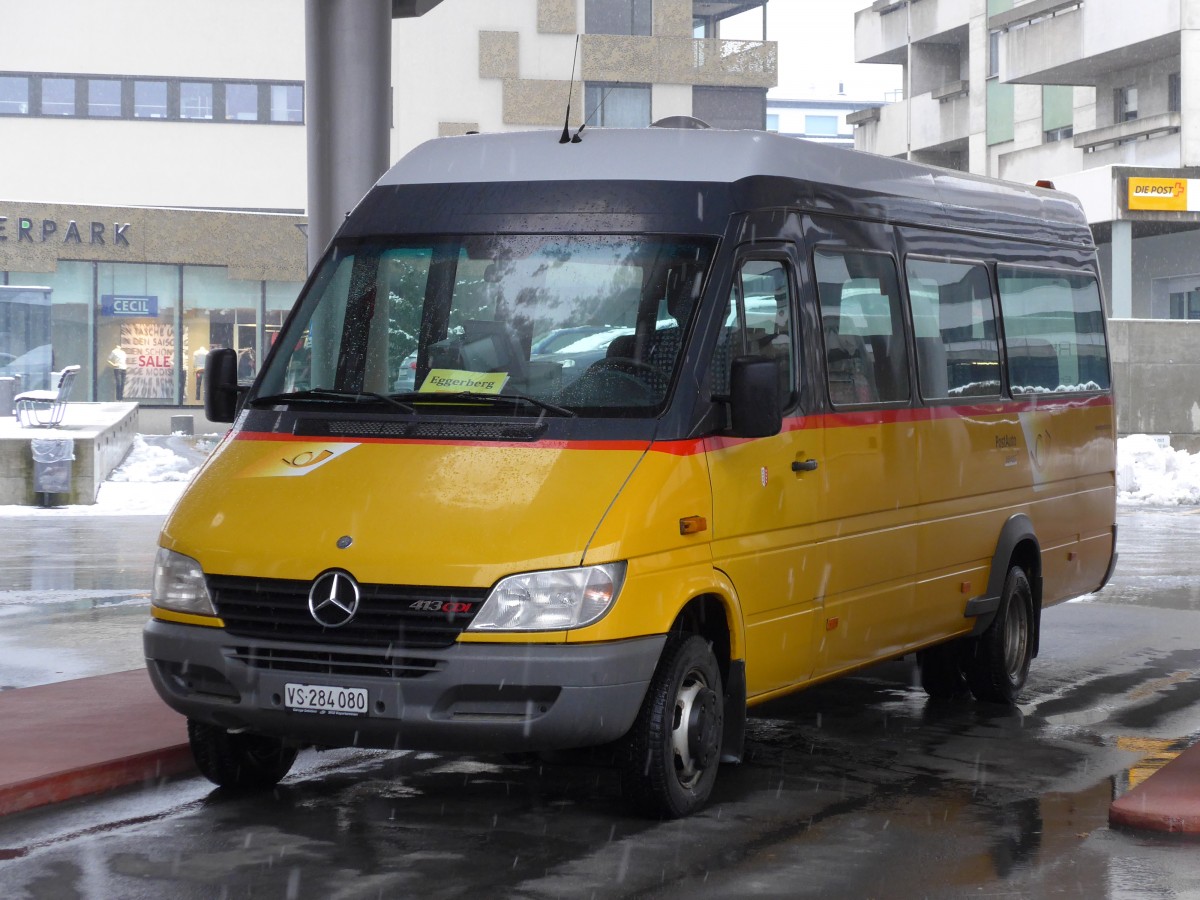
x=566 y=133
x=599 y=106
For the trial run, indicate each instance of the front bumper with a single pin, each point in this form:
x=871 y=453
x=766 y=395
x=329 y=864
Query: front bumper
x=473 y=697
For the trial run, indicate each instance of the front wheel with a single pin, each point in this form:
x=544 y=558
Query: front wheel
x=998 y=663
x=674 y=747
x=240 y=761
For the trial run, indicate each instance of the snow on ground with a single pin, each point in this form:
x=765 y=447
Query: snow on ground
x=158 y=468
x=147 y=483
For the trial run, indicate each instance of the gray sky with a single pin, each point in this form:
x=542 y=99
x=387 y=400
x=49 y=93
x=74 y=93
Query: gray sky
x=816 y=50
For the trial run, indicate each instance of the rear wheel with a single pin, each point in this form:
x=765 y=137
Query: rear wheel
x=673 y=750
x=998 y=663
x=242 y=761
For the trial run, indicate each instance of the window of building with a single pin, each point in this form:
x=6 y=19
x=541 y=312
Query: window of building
x=241 y=102
x=58 y=96
x=104 y=97
x=195 y=100
x=14 y=95
x=1185 y=304
x=821 y=126
x=954 y=327
x=1058 y=134
x=1174 y=93
x=993 y=70
x=1125 y=103
x=617 y=105
x=772 y=121
x=287 y=103
x=865 y=359
x=730 y=107
x=130 y=97
x=150 y=99
x=618 y=16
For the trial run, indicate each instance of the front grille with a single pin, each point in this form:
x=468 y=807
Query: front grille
x=389 y=616
x=320 y=662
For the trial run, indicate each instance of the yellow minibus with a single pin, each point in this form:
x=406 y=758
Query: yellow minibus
x=599 y=444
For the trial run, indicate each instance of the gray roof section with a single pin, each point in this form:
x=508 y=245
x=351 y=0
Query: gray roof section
x=715 y=156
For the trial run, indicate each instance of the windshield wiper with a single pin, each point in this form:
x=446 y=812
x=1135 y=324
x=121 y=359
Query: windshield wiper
x=479 y=397
x=335 y=396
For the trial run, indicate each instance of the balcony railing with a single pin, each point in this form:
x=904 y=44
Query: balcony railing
x=680 y=60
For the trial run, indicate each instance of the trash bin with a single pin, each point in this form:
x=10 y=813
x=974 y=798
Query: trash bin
x=52 y=460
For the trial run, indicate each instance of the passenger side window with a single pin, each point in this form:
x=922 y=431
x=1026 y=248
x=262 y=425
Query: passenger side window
x=759 y=322
x=1054 y=331
x=954 y=328
x=863 y=330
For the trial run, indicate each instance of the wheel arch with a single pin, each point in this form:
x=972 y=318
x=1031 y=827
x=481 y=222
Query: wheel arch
x=1017 y=545
x=713 y=618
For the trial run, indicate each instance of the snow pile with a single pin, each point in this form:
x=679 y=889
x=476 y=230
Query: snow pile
x=1149 y=474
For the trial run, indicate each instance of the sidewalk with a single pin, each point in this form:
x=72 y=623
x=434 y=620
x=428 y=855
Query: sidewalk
x=74 y=738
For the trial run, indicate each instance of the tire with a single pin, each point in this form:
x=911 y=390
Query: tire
x=998 y=662
x=240 y=761
x=672 y=752
x=941 y=670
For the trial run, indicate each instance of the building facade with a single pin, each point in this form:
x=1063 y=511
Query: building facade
x=154 y=184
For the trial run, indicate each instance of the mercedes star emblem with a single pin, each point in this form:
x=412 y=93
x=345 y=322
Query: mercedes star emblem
x=333 y=599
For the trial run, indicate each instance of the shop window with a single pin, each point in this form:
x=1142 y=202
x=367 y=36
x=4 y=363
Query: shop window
x=196 y=100
x=14 y=95
x=58 y=96
x=104 y=97
x=137 y=346
x=241 y=102
x=150 y=99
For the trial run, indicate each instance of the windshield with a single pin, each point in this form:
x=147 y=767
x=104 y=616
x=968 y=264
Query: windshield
x=578 y=322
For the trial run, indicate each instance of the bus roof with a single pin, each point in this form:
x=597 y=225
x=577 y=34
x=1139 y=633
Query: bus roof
x=716 y=156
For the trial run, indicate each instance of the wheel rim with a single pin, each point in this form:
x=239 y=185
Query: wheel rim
x=693 y=731
x=1016 y=636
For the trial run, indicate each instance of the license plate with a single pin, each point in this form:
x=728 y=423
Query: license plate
x=321 y=698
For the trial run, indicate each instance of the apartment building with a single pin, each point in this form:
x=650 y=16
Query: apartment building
x=1100 y=97
x=155 y=186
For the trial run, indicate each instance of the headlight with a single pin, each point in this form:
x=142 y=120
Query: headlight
x=551 y=601
x=179 y=584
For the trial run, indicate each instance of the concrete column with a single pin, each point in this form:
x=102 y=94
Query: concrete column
x=348 y=110
x=1121 y=249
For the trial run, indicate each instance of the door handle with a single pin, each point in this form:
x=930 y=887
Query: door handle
x=808 y=465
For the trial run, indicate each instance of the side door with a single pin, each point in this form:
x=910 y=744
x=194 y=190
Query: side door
x=766 y=491
x=871 y=446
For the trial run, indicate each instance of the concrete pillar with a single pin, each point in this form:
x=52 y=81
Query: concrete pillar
x=1121 y=249
x=348 y=63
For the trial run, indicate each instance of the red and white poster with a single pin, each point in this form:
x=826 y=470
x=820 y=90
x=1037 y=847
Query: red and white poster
x=150 y=349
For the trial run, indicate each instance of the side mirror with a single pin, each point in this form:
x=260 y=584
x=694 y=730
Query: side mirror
x=754 y=397
x=221 y=385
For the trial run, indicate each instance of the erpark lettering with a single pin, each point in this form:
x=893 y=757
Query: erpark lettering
x=47 y=231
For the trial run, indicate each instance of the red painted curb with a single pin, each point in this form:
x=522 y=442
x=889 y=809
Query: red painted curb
x=1169 y=800
x=95 y=779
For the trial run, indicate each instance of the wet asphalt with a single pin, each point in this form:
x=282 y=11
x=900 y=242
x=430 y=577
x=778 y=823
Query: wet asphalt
x=857 y=788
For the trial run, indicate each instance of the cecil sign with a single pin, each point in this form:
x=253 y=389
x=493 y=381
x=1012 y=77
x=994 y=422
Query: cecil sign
x=139 y=305
x=1164 y=194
